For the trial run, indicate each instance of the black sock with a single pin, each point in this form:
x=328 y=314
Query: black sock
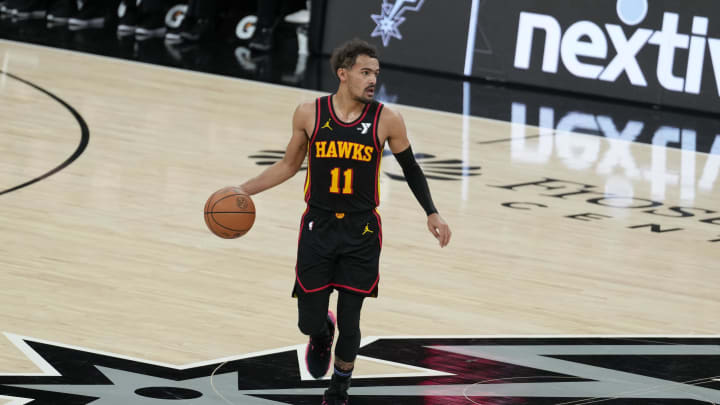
x=343 y=375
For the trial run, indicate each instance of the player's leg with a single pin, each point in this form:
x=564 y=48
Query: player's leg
x=314 y=268
x=356 y=277
x=315 y=321
x=348 y=309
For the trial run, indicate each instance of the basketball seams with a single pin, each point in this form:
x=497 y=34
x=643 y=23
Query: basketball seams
x=230 y=212
x=225 y=227
x=227 y=196
x=214 y=223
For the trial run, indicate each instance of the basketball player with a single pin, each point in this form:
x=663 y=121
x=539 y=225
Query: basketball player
x=340 y=231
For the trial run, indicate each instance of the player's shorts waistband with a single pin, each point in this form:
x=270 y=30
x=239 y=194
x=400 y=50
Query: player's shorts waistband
x=339 y=215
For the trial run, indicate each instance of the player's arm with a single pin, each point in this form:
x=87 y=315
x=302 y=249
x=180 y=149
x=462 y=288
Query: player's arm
x=400 y=146
x=294 y=154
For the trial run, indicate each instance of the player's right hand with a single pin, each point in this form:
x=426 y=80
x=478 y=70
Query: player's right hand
x=439 y=228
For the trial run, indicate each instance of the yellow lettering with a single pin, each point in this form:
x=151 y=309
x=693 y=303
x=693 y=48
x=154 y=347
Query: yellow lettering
x=357 y=151
x=344 y=149
x=368 y=153
x=320 y=149
x=331 y=151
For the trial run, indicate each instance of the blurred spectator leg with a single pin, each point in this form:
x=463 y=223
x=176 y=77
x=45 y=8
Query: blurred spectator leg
x=60 y=11
x=152 y=19
x=127 y=17
x=31 y=9
x=203 y=25
x=90 y=14
x=262 y=39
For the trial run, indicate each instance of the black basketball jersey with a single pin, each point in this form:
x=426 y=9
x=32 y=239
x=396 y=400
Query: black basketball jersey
x=344 y=160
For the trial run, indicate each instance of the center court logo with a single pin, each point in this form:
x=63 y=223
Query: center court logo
x=583 y=48
x=390 y=18
x=450 y=370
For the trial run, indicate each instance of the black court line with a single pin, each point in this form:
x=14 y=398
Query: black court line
x=505 y=140
x=84 y=136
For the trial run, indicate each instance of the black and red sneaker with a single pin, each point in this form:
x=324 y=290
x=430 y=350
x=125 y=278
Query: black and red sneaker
x=318 y=352
x=337 y=393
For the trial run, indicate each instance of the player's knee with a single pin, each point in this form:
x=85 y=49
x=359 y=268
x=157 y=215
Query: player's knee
x=312 y=325
x=348 y=328
x=348 y=346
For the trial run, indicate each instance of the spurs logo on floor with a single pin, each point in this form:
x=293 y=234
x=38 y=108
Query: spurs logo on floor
x=390 y=18
x=492 y=370
x=434 y=168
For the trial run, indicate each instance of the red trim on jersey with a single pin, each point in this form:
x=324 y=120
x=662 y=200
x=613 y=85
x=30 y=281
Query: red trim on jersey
x=368 y=291
x=317 y=120
x=352 y=124
x=377 y=215
x=302 y=225
x=379 y=154
x=309 y=152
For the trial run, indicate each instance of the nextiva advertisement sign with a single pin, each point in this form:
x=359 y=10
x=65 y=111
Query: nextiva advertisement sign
x=660 y=51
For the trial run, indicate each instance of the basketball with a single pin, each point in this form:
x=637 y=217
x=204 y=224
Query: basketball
x=229 y=213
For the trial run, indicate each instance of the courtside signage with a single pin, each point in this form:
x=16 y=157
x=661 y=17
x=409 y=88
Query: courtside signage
x=660 y=52
x=588 y=39
x=644 y=52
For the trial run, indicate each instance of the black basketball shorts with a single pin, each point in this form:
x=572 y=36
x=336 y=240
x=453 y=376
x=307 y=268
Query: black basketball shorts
x=340 y=251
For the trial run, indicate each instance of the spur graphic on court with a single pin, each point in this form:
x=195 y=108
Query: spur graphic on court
x=436 y=169
x=390 y=18
x=487 y=370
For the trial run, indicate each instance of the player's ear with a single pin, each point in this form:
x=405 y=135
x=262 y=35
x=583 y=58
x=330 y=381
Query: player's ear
x=342 y=74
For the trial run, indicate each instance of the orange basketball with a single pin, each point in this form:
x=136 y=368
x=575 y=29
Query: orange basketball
x=229 y=213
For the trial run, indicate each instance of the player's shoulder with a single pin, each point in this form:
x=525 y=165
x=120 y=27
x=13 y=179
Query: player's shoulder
x=304 y=113
x=305 y=107
x=391 y=117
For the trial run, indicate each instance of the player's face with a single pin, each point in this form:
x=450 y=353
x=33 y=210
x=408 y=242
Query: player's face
x=362 y=78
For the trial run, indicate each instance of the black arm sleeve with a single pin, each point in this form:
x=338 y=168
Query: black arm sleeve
x=416 y=179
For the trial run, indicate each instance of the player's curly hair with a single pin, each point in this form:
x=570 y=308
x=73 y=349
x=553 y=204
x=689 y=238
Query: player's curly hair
x=345 y=55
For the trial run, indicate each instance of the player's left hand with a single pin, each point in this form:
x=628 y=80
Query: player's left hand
x=439 y=228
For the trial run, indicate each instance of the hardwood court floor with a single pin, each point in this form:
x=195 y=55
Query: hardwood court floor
x=112 y=253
